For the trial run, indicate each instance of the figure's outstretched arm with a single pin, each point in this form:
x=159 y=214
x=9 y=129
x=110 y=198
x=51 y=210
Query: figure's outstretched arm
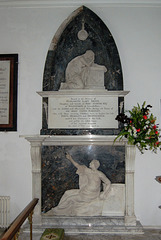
x=68 y=156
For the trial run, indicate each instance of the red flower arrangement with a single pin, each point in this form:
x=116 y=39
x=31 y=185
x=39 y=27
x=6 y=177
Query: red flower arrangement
x=140 y=128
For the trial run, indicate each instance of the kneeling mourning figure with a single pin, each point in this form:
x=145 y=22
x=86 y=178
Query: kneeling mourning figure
x=88 y=199
x=82 y=72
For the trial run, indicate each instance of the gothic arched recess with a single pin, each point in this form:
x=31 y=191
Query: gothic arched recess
x=66 y=45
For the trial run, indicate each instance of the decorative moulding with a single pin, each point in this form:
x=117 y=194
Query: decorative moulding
x=38 y=140
x=83 y=92
x=63 y=3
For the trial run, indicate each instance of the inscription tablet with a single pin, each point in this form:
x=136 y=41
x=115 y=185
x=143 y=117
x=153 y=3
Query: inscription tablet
x=80 y=112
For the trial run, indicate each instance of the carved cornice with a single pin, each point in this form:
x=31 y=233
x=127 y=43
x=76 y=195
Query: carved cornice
x=49 y=140
x=76 y=3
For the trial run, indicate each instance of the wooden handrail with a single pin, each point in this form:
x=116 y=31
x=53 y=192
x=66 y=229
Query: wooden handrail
x=17 y=223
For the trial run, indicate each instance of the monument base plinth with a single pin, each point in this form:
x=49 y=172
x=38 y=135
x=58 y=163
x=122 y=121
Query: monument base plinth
x=94 y=225
x=85 y=225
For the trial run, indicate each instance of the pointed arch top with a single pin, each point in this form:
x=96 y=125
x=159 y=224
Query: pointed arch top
x=66 y=45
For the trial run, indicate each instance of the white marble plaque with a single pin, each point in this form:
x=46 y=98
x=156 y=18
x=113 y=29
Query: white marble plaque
x=4 y=91
x=114 y=204
x=82 y=112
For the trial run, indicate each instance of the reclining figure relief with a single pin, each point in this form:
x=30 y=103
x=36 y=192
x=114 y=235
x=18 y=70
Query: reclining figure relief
x=88 y=199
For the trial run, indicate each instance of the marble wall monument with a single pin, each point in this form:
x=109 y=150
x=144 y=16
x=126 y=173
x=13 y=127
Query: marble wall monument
x=98 y=59
x=79 y=175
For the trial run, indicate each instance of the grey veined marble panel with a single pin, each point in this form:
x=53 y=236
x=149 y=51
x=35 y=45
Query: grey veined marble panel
x=59 y=175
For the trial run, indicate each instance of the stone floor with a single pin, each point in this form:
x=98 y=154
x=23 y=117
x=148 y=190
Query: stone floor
x=1 y=232
x=149 y=234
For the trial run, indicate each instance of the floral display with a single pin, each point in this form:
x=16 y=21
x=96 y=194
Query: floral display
x=140 y=128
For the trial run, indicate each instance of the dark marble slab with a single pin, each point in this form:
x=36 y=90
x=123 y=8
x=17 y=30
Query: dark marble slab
x=59 y=175
x=79 y=131
x=68 y=46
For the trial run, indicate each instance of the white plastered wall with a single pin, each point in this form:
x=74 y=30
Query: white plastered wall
x=28 y=31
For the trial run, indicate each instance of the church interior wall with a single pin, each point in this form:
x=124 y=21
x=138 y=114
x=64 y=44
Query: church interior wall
x=28 y=32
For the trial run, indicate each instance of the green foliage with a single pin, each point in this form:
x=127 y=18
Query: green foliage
x=140 y=128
